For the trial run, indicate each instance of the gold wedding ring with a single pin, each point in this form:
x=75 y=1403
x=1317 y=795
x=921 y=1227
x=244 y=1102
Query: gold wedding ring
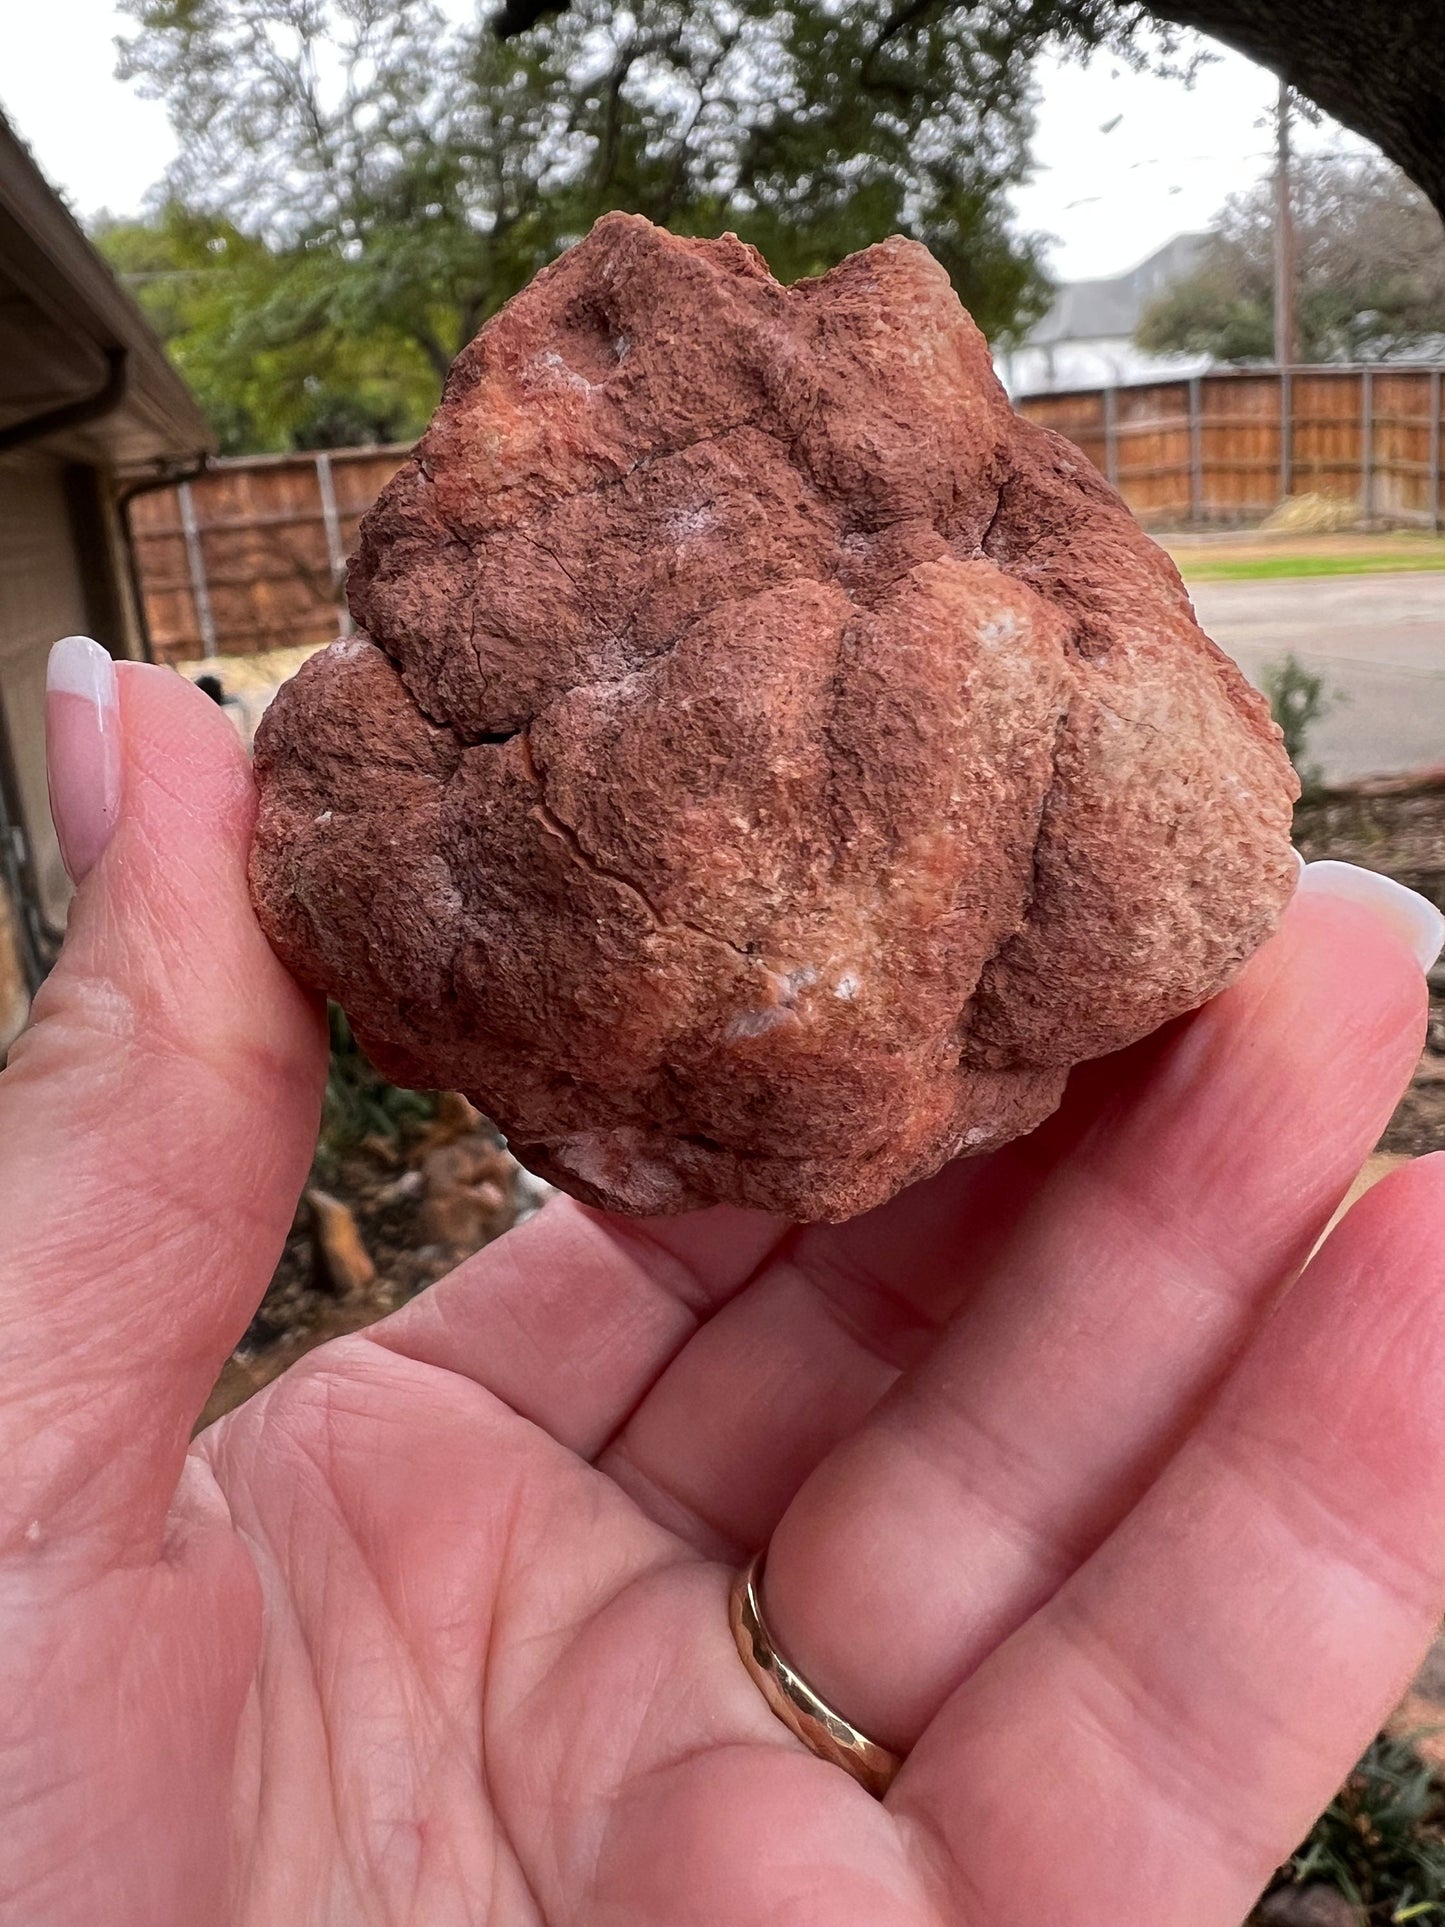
x=823 y=1731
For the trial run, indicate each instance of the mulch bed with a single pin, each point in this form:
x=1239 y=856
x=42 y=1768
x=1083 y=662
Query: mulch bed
x=382 y=1184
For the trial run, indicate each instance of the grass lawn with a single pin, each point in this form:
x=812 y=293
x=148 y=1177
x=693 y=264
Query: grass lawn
x=1264 y=557
x=1266 y=568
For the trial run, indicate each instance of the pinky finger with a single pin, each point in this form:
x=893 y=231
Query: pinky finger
x=1187 y=1704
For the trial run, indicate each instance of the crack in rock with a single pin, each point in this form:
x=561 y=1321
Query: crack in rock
x=560 y=827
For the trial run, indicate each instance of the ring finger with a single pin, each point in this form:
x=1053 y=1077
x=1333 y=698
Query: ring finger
x=1086 y=1346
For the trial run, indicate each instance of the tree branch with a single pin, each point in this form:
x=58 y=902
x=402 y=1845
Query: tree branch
x=425 y=338
x=1379 y=69
x=516 y=16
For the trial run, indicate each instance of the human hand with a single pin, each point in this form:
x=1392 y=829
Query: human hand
x=1130 y=1550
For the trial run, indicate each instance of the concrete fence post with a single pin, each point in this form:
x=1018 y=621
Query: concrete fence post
x=1111 y=436
x=336 y=553
x=196 y=570
x=1196 y=449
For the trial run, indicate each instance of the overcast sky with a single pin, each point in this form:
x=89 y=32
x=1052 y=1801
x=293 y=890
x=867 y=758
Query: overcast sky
x=1168 y=158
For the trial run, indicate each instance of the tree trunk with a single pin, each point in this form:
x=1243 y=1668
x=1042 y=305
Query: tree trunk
x=1376 y=65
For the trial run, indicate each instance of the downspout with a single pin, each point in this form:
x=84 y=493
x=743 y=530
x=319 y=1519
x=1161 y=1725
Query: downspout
x=172 y=478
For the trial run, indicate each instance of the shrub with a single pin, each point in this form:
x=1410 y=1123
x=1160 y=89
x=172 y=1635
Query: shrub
x=1381 y=1840
x=359 y=1103
x=1297 y=701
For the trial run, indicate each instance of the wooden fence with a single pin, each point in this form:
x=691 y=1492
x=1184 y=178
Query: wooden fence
x=251 y=555
x=1230 y=447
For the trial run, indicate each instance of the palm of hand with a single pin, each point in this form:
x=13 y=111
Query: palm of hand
x=498 y=1691
x=435 y=1628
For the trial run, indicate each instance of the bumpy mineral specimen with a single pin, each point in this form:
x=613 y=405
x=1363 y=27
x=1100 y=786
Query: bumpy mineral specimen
x=766 y=763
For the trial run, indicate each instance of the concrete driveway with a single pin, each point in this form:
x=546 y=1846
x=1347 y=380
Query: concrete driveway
x=1378 y=640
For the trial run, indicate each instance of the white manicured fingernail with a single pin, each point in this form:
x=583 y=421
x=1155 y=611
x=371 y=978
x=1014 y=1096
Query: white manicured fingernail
x=1300 y=863
x=82 y=750
x=1412 y=916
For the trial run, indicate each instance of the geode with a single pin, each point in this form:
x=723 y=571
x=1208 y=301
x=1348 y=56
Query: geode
x=766 y=763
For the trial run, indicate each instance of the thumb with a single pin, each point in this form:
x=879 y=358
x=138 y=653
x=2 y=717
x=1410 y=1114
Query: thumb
x=156 y=1120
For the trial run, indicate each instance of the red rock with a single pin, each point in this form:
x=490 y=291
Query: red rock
x=767 y=764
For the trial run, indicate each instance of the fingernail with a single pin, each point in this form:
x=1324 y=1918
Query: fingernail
x=82 y=750
x=1412 y=916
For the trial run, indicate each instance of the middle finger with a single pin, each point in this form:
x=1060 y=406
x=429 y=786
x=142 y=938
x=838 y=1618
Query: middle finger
x=994 y=1470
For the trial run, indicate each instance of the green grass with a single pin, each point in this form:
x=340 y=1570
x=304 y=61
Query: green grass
x=1270 y=568
x=1379 y=1842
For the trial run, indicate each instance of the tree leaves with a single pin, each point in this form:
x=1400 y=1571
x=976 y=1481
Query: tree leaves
x=375 y=180
x=1371 y=253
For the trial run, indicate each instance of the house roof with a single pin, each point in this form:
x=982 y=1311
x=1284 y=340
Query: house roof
x=70 y=332
x=1111 y=307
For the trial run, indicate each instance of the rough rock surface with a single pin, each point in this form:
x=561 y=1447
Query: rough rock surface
x=767 y=764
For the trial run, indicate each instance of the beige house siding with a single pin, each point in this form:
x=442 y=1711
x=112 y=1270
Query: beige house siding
x=41 y=597
x=63 y=571
x=14 y=998
x=90 y=410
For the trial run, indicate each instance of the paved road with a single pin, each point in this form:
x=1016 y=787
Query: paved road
x=1378 y=639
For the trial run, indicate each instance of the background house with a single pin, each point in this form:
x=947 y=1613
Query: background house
x=1086 y=340
x=89 y=409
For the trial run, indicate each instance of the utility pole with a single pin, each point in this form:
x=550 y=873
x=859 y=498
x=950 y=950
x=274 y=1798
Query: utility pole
x=1286 y=331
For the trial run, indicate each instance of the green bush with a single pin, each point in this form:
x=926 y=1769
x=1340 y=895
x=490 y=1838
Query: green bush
x=1297 y=701
x=1381 y=1840
x=359 y=1103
